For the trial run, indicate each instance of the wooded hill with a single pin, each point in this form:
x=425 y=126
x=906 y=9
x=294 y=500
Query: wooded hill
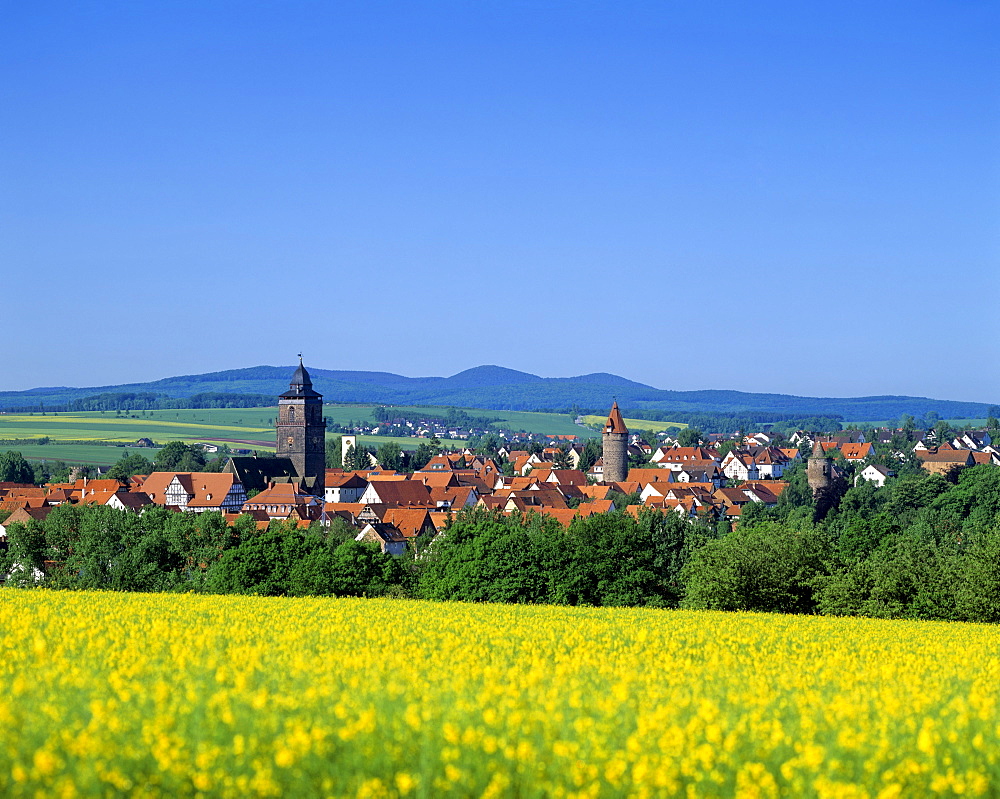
x=495 y=387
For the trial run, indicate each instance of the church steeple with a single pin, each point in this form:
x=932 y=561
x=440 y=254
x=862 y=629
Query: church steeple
x=301 y=431
x=301 y=384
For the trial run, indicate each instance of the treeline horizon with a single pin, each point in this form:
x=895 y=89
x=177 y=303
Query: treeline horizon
x=720 y=422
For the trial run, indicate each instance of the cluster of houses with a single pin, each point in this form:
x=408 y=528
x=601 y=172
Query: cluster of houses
x=434 y=427
x=391 y=509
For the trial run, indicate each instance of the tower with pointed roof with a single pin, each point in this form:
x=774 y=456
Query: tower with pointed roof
x=301 y=431
x=615 y=447
x=819 y=469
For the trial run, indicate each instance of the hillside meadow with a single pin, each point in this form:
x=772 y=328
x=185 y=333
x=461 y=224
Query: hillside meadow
x=182 y=695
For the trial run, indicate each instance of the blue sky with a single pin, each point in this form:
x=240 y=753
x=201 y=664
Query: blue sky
x=767 y=196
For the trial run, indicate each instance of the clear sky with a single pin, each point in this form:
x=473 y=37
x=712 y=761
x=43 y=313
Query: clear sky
x=765 y=196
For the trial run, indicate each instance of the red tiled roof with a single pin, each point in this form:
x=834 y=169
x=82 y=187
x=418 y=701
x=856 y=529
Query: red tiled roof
x=615 y=423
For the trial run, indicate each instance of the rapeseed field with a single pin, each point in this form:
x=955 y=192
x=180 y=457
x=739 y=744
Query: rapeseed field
x=183 y=695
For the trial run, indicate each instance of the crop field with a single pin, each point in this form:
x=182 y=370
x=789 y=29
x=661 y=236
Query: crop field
x=636 y=424
x=181 y=695
x=77 y=453
x=184 y=425
x=247 y=428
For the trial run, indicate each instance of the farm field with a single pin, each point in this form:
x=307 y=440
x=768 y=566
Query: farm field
x=167 y=695
x=78 y=453
x=194 y=423
x=249 y=428
x=637 y=424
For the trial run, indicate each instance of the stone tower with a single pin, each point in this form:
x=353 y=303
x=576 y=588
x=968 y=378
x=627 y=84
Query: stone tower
x=819 y=470
x=615 y=447
x=302 y=431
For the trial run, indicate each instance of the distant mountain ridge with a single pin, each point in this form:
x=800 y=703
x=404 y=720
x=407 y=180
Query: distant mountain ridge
x=500 y=388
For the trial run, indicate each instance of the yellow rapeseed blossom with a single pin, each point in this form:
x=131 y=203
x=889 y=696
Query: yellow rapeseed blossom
x=181 y=695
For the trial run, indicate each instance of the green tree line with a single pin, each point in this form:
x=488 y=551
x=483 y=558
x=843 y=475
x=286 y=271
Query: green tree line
x=921 y=547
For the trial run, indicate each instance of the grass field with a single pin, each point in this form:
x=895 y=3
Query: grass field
x=246 y=428
x=182 y=695
x=636 y=424
x=78 y=453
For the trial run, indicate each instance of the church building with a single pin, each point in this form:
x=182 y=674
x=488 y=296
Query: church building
x=300 y=445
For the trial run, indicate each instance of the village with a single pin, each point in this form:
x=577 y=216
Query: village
x=713 y=479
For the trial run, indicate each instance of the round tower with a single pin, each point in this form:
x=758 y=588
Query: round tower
x=615 y=447
x=819 y=470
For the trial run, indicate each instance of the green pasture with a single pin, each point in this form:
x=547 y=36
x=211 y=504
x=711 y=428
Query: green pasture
x=96 y=455
x=241 y=428
x=637 y=424
x=251 y=424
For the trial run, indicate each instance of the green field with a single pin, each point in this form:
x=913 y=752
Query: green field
x=240 y=428
x=246 y=423
x=637 y=424
x=78 y=453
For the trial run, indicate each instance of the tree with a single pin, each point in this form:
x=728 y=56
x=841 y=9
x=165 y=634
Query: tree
x=561 y=460
x=725 y=448
x=689 y=437
x=356 y=458
x=334 y=453
x=261 y=564
x=978 y=593
x=420 y=457
x=128 y=466
x=25 y=557
x=638 y=460
x=591 y=452
x=487 y=445
x=390 y=456
x=763 y=567
x=485 y=556
x=15 y=469
x=177 y=456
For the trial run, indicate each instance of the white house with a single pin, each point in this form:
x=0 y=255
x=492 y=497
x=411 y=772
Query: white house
x=347 y=487
x=875 y=474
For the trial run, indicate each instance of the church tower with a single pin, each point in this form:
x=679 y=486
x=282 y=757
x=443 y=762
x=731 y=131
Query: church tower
x=615 y=447
x=819 y=471
x=302 y=431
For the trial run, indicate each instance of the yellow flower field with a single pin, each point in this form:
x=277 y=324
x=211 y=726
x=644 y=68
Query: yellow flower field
x=179 y=695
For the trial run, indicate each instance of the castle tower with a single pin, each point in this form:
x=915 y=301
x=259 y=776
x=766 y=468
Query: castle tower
x=819 y=471
x=615 y=447
x=302 y=431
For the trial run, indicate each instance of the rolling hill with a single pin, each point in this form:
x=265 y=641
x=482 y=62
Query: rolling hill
x=495 y=387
